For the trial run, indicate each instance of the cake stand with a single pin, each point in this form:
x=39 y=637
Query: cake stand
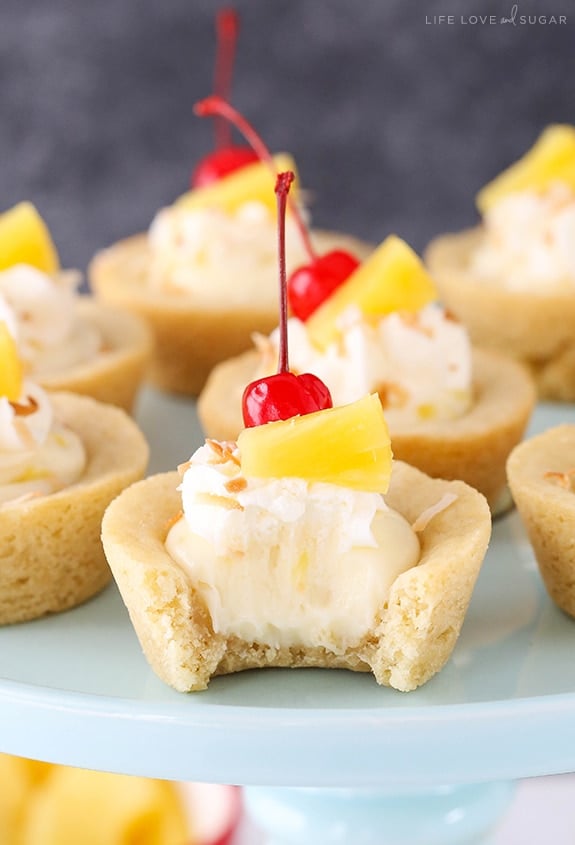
x=328 y=756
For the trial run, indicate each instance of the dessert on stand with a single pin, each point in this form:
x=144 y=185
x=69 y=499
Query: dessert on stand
x=511 y=279
x=283 y=550
x=66 y=341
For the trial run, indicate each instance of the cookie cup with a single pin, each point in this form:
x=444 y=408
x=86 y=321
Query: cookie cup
x=51 y=553
x=535 y=327
x=535 y=471
x=411 y=639
x=115 y=375
x=192 y=334
x=473 y=447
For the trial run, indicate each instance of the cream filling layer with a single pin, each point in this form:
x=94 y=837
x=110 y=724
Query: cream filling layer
x=283 y=562
x=420 y=364
x=529 y=241
x=40 y=312
x=213 y=254
x=38 y=455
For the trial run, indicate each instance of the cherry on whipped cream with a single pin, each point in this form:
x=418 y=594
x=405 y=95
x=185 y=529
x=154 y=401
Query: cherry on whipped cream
x=285 y=394
x=314 y=282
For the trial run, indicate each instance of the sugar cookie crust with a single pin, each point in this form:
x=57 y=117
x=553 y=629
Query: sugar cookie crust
x=411 y=641
x=547 y=509
x=115 y=375
x=537 y=328
x=51 y=556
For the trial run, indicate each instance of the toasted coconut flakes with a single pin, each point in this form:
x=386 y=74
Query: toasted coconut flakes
x=562 y=479
x=22 y=410
x=412 y=320
x=224 y=451
x=425 y=518
x=236 y=485
x=219 y=501
x=449 y=315
x=183 y=468
x=392 y=395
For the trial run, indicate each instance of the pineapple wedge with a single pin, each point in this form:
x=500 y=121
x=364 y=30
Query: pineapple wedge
x=25 y=239
x=551 y=159
x=254 y=182
x=392 y=278
x=348 y=445
x=11 y=373
x=77 y=805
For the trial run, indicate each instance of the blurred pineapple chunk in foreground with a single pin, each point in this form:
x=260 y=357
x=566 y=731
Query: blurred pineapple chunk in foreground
x=44 y=804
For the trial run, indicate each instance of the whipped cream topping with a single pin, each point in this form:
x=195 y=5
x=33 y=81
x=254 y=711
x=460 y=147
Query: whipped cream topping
x=285 y=561
x=529 y=240
x=420 y=364
x=38 y=455
x=40 y=312
x=211 y=253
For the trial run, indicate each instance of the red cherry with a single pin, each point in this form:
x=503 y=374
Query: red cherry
x=219 y=163
x=284 y=394
x=226 y=158
x=310 y=285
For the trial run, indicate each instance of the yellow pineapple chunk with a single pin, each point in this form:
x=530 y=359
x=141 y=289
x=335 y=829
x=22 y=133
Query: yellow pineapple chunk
x=78 y=806
x=25 y=239
x=392 y=278
x=551 y=159
x=348 y=445
x=254 y=182
x=11 y=372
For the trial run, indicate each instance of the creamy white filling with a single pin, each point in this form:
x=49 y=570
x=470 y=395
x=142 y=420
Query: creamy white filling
x=287 y=562
x=38 y=455
x=529 y=240
x=40 y=312
x=211 y=253
x=420 y=364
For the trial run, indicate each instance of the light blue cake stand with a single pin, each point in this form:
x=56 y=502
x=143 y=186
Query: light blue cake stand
x=328 y=756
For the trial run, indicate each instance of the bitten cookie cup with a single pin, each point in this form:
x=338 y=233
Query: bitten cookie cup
x=51 y=555
x=412 y=637
x=535 y=327
x=473 y=447
x=541 y=473
x=191 y=335
x=116 y=374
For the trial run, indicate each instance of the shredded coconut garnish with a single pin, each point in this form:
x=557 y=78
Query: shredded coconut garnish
x=427 y=515
x=562 y=479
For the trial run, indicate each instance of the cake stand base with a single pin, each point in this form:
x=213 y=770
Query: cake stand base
x=443 y=815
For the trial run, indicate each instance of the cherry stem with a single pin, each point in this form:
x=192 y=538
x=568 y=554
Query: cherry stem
x=283 y=183
x=227 y=28
x=214 y=105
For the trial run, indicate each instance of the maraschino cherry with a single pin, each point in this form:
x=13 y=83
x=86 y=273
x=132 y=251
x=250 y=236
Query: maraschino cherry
x=284 y=394
x=227 y=157
x=310 y=285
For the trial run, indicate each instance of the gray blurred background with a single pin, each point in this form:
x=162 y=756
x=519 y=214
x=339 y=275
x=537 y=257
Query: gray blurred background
x=394 y=122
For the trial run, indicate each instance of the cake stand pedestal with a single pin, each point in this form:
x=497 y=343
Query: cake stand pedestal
x=441 y=815
x=329 y=756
